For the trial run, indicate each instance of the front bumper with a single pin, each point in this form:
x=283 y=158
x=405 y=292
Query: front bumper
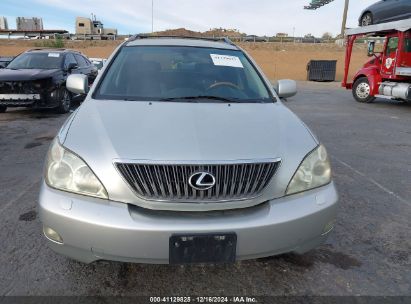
x=36 y=100
x=94 y=229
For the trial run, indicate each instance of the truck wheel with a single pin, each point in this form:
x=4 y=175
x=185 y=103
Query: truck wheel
x=64 y=100
x=367 y=19
x=3 y=109
x=362 y=90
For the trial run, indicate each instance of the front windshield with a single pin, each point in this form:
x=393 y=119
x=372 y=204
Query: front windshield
x=171 y=72
x=37 y=61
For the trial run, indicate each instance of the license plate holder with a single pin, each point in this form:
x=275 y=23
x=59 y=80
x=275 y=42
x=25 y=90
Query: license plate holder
x=17 y=97
x=213 y=248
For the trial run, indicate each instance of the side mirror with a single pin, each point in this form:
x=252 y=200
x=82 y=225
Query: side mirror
x=77 y=83
x=286 y=88
x=371 y=47
x=72 y=66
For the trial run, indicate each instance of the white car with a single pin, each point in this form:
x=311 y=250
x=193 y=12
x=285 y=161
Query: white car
x=98 y=62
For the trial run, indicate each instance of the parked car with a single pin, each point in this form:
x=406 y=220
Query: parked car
x=385 y=11
x=37 y=78
x=254 y=38
x=183 y=152
x=98 y=62
x=4 y=61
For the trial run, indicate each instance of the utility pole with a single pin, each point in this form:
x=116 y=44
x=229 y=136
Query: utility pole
x=315 y=4
x=294 y=34
x=344 y=22
x=152 y=16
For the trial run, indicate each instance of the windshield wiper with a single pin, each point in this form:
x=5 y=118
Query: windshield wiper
x=209 y=97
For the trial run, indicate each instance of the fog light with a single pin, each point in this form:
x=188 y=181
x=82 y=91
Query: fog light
x=52 y=235
x=328 y=227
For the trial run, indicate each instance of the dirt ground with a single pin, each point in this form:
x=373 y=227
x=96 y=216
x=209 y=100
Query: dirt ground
x=277 y=60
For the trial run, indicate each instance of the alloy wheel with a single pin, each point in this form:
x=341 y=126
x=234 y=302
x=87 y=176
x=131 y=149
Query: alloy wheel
x=363 y=90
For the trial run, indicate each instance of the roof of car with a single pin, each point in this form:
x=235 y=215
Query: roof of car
x=217 y=43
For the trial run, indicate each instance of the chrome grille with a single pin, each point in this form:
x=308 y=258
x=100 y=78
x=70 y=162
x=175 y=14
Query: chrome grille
x=168 y=182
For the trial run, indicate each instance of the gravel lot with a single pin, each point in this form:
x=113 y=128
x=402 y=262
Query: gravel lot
x=368 y=253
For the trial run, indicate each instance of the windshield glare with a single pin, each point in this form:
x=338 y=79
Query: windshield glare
x=166 y=72
x=37 y=61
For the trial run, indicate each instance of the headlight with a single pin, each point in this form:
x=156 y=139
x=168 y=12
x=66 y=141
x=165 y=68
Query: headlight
x=314 y=171
x=68 y=172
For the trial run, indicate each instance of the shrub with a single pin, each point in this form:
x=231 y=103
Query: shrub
x=57 y=43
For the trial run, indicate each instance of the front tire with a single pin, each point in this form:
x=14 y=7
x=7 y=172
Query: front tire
x=64 y=101
x=362 y=90
x=367 y=19
x=3 y=109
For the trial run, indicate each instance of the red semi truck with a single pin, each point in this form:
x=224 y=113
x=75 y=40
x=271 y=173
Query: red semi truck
x=388 y=73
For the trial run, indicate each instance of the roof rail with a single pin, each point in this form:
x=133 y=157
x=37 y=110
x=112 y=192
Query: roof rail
x=145 y=36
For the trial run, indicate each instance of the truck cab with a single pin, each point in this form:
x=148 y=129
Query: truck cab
x=388 y=74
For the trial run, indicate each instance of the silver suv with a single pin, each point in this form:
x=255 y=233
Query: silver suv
x=183 y=152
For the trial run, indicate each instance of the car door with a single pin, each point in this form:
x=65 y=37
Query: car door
x=389 y=61
x=82 y=65
x=405 y=60
x=384 y=10
x=395 y=10
x=85 y=68
x=407 y=8
x=91 y=70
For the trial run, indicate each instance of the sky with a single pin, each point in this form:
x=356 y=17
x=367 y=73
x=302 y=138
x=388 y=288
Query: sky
x=258 y=17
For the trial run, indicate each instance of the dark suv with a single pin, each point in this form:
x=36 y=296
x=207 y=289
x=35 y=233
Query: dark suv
x=37 y=79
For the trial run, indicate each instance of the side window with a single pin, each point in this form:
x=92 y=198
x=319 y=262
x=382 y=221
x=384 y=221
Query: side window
x=88 y=62
x=81 y=61
x=407 y=45
x=392 y=45
x=69 y=59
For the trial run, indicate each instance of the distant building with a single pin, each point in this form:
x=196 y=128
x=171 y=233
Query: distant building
x=282 y=35
x=3 y=23
x=29 y=24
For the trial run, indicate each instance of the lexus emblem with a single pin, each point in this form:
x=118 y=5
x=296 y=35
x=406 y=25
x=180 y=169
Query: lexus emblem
x=202 y=181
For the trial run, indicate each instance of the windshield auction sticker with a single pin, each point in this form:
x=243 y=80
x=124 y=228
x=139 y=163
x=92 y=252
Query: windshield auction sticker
x=226 y=60
x=54 y=55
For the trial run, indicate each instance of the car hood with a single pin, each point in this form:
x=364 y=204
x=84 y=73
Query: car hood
x=186 y=131
x=103 y=132
x=27 y=74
